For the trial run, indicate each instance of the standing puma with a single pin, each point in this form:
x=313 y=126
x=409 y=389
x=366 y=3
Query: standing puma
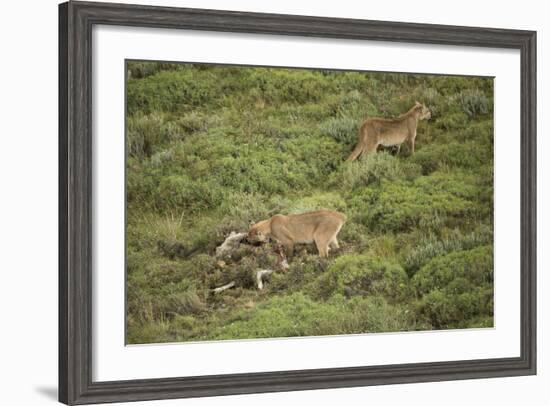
x=389 y=131
x=321 y=227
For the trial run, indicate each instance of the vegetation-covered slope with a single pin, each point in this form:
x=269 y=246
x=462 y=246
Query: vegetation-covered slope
x=213 y=148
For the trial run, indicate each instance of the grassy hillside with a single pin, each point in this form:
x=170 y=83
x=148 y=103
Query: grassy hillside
x=212 y=148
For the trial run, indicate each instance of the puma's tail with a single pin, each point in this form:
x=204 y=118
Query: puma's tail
x=359 y=147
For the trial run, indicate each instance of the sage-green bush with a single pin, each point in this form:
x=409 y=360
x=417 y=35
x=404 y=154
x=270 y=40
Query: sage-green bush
x=343 y=129
x=297 y=315
x=361 y=275
x=475 y=265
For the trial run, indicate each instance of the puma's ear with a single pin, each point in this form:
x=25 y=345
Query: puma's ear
x=417 y=103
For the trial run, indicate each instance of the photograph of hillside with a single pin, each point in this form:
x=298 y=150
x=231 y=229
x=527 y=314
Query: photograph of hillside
x=266 y=202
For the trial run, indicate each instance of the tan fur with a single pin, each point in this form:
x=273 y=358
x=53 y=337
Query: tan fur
x=320 y=227
x=388 y=132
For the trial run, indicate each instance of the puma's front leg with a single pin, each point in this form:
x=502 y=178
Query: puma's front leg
x=289 y=249
x=413 y=138
x=288 y=244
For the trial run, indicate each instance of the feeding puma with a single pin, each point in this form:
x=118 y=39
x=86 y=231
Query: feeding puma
x=321 y=227
x=389 y=131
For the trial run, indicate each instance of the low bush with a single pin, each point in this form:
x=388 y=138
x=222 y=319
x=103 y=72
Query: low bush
x=456 y=287
x=351 y=104
x=475 y=266
x=300 y=273
x=240 y=209
x=297 y=315
x=431 y=246
x=353 y=275
x=452 y=121
x=474 y=102
x=146 y=135
x=171 y=91
x=277 y=85
x=317 y=201
x=401 y=207
x=140 y=70
x=344 y=129
x=183 y=192
x=467 y=155
x=372 y=170
x=443 y=309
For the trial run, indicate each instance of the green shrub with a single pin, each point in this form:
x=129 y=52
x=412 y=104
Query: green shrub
x=314 y=157
x=258 y=173
x=299 y=274
x=430 y=247
x=354 y=233
x=475 y=265
x=240 y=209
x=193 y=122
x=139 y=70
x=182 y=303
x=401 y=207
x=474 y=102
x=342 y=129
x=452 y=121
x=372 y=170
x=351 y=101
x=468 y=155
x=147 y=134
x=297 y=315
x=382 y=246
x=317 y=201
x=276 y=85
x=182 y=192
x=147 y=333
x=478 y=131
x=160 y=289
x=456 y=288
x=445 y=310
x=353 y=275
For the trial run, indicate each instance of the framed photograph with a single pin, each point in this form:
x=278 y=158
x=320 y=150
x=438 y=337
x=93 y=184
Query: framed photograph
x=256 y=202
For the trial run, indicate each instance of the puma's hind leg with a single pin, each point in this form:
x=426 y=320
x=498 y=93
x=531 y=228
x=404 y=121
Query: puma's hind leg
x=356 y=152
x=325 y=238
x=334 y=240
x=323 y=250
x=364 y=145
x=322 y=246
x=371 y=145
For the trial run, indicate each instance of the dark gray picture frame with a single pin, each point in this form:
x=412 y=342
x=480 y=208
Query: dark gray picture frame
x=76 y=20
